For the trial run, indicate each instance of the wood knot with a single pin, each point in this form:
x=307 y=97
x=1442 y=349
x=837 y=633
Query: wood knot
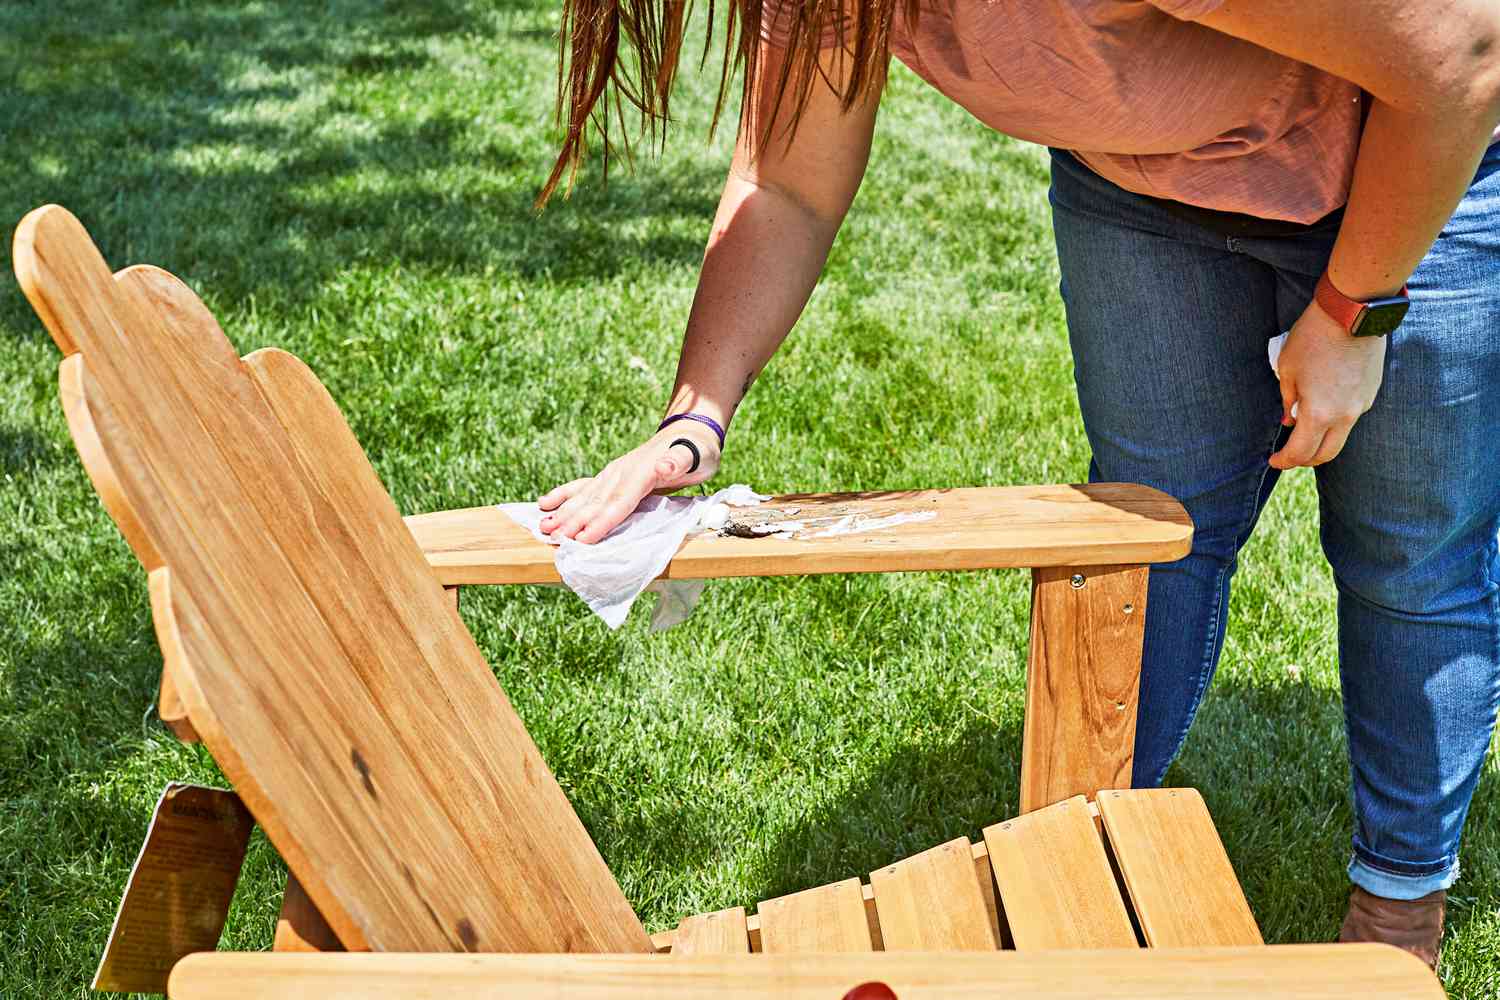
x=467 y=934
x=363 y=768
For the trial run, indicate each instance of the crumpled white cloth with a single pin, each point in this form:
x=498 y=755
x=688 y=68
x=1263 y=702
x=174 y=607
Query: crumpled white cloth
x=612 y=572
x=1273 y=354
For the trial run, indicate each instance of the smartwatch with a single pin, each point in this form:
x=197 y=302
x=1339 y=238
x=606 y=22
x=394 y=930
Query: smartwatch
x=1371 y=318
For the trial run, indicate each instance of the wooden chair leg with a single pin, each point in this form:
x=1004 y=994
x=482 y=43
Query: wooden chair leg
x=452 y=594
x=1082 y=681
x=301 y=927
x=171 y=710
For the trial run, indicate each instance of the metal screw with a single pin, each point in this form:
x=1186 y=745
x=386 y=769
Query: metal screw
x=1078 y=581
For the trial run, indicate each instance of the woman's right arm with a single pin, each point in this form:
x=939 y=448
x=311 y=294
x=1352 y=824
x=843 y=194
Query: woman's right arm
x=781 y=208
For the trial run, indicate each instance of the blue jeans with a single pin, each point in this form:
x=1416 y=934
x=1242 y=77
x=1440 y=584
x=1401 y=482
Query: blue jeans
x=1169 y=321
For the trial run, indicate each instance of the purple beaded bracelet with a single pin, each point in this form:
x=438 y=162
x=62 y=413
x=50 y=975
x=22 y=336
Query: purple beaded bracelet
x=709 y=421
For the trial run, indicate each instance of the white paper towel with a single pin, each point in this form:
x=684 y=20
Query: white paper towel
x=1273 y=354
x=612 y=572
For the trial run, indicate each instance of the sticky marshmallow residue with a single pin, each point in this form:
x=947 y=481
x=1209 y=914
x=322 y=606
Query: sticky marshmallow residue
x=855 y=524
x=778 y=527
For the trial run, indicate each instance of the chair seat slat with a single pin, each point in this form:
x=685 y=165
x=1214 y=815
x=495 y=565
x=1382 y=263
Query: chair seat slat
x=1180 y=881
x=722 y=932
x=1056 y=887
x=932 y=902
x=830 y=918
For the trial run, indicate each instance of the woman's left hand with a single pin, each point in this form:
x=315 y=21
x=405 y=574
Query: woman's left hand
x=1332 y=377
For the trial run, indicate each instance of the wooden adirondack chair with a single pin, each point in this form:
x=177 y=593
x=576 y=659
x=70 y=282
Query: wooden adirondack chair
x=309 y=642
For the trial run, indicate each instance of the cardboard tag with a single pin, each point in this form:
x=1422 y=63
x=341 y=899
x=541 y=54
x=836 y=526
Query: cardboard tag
x=179 y=891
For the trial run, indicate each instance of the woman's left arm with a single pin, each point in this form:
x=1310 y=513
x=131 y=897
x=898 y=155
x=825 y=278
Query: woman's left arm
x=1432 y=69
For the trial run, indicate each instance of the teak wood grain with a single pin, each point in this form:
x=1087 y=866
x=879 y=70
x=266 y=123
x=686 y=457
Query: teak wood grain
x=309 y=641
x=1082 y=681
x=931 y=902
x=1182 y=886
x=830 y=918
x=722 y=932
x=1055 y=881
x=974 y=528
x=1285 y=972
x=169 y=707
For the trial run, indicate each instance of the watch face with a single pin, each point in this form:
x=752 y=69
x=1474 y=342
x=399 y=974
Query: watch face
x=1381 y=317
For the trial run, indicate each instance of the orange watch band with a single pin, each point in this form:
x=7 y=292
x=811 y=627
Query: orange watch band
x=1346 y=312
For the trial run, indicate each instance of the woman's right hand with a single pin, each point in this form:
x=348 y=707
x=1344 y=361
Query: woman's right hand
x=588 y=509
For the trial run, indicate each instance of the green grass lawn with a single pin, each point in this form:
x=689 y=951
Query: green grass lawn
x=352 y=181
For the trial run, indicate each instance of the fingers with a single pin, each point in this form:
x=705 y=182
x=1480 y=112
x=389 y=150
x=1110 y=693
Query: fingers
x=589 y=509
x=571 y=518
x=1301 y=446
x=1305 y=439
x=554 y=520
x=1288 y=401
x=1319 y=436
x=554 y=499
x=562 y=502
x=574 y=516
x=1333 y=443
x=600 y=504
x=602 y=517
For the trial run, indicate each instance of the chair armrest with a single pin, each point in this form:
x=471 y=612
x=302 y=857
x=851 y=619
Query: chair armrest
x=975 y=528
x=1307 y=971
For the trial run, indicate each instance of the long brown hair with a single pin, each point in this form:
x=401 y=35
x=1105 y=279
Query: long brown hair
x=596 y=82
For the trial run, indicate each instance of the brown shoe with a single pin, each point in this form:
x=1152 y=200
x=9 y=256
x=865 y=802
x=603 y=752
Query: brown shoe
x=1413 y=924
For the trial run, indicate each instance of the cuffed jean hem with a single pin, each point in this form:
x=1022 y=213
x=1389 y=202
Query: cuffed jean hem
x=1389 y=885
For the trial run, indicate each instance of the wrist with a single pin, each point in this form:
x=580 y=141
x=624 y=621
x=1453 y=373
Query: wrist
x=700 y=422
x=1360 y=317
x=716 y=405
x=1363 y=283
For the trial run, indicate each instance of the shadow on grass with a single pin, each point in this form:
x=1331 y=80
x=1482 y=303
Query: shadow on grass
x=1272 y=762
x=241 y=147
x=73 y=705
x=909 y=802
x=72 y=808
x=25 y=452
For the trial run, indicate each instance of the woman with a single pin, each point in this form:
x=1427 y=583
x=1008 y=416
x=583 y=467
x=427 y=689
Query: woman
x=1222 y=171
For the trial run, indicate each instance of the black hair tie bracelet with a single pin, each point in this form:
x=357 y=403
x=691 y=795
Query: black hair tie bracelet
x=692 y=448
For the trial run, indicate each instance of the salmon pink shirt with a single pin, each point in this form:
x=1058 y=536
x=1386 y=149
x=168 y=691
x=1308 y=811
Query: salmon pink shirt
x=1142 y=95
